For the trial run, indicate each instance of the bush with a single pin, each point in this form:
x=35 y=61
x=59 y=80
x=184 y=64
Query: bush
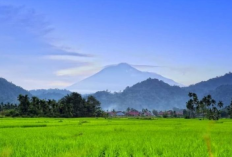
x=165 y=115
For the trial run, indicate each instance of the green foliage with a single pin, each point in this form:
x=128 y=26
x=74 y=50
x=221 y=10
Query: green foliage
x=150 y=93
x=207 y=106
x=165 y=115
x=207 y=87
x=156 y=94
x=72 y=105
x=155 y=112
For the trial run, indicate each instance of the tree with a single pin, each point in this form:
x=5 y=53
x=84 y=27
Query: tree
x=203 y=106
x=93 y=106
x=165 y=114
x=35 y=106
x=206 y=105
x=24 y=104
x=213 y=107
x=190 y=104
x=155 y=112
x=72 y=105
x=186 y=114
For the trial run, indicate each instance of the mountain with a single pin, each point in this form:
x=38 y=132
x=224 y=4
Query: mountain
x=207 y=87
x=150 y=94
x=10 y=92
x=55 y=94
x=116 y=78
x=223 y=93
x=155 y=94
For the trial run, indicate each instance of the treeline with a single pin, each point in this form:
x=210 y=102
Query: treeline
x=207 y=107
x=7 y=106
x=72 y=105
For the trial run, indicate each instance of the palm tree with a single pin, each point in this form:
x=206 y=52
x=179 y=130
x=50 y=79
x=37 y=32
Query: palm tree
x=220 y=104
x=190 y=106
x=213 y=102
x=190 y=94
x=209 y=97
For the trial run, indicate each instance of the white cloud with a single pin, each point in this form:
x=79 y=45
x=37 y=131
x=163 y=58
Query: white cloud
x=59 y=84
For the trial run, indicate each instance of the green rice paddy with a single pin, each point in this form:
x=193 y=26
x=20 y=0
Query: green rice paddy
x=117 y=137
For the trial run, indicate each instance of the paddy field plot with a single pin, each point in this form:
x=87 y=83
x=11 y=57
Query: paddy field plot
x=117 y=137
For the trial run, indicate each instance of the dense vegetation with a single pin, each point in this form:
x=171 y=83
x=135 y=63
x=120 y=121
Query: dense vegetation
x=207 y=87
x=207 y=107
x=150 y=94
x=91 y=137
x=155 y=94
x=72 y=105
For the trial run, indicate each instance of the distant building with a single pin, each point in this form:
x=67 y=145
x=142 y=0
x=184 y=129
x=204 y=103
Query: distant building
x=120 y=113
x=171 y=113
x=160 y=113
x=179 y=113
x=147 y=114
x=133 y=113
x=117 y=113
x=112 y=114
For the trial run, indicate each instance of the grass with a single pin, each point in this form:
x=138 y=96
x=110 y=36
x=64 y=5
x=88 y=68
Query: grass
x=119 y=137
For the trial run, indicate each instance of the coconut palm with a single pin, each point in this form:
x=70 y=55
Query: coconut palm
x=220 y=104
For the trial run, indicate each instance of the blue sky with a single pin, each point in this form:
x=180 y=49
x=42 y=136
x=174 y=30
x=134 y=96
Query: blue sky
x=53 y=44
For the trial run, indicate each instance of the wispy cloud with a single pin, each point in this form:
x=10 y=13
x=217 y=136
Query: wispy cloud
x=182 y=70
x=68 y=51
x=81 y=71
x=25 y=18
x=22 y=25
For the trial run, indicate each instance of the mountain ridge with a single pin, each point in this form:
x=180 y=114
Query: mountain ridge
x=55 y=94
x=9 y=92
x=116 y=78
x=204 y=87
x=165 y=96
x=150 y=94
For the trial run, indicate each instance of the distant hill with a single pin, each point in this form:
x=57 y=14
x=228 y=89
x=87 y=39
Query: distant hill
x=150 y=94
x=155 y=94
x=116 y=78
x=223 y=93
x=55 y=94
x=10 y=92
x=206 y=87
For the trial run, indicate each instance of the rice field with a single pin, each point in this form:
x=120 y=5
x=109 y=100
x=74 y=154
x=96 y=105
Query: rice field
x=117 y=137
